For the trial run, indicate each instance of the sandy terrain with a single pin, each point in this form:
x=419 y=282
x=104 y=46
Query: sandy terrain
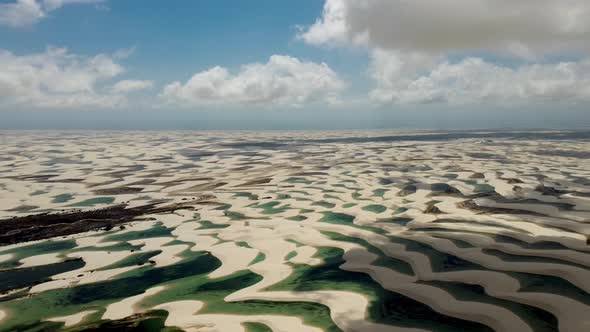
x=383 y=231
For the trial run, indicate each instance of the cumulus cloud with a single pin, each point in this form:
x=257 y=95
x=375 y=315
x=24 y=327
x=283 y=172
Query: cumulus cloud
x=411 y=44
x=282 y=80
x=525 y=28
x=58 y=78
x=418 y=78
x=27 y=12
x=127 y=86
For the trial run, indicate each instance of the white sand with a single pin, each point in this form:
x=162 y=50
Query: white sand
x=87 y=274
x=6 y=257
x=184 y=314
x=72 y=320
x=233 y=258
x=353 y=172
x=41 y=260
x=127 y=307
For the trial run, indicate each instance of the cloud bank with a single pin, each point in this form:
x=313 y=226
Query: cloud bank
x=283 y=80
x=58 y=78
x=416 y=79
x=28 y=12
x=128 y=86
x=412 y=43
x=523 y=28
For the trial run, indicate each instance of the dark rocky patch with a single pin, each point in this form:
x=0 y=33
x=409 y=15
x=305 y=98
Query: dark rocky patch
x=482 y=155
x=549 y=191
x=117 y=191
x=432 y=209
x=443 y=189
x=256 y=182
x=23 y=208
x=407 y=190
x=49 y=225
x=471 y=205
x=564 y=153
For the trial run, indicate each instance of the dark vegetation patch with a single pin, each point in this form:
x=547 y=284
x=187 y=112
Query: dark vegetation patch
x=48 y=225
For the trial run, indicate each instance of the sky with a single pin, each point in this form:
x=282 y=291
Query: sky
x=305 y=64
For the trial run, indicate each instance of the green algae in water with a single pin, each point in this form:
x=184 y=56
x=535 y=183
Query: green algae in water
x=271 y=207
x=121 y=246
x=223 y=207
x=298 y=180
x=327 y=196
x=297 y=218
x=97 y=296
x=243 y=244
x=213 y=292
x=385 y=182
x=156 y=231
x=483 y=188
x=94 y=201
x=375 y=208
x=386 y=307
x=140 y=258
x=297 y=243
x=379 y=192
x=347 y=220
x=256 y=327
x=397 y=221
x=41 y=248
x=250 y=196
x=383 y=260
x=152 y=321
x=400 y=210
x=30 y=276
x=538 y=319
x=439 y=261
x=325 y=204
x=544 y=284
x=291 y=255
x=206 y=224
x=259 y=258
x=234 y=215
x=337 y=218
x=62 y=198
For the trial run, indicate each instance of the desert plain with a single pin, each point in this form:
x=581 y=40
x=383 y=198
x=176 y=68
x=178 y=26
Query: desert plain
x=295 y=231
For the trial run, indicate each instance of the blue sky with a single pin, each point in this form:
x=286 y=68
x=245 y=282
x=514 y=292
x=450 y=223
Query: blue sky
x=172 y=41
x=294 y=64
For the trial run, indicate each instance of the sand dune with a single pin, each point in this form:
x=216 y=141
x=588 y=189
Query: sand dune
x=363 y=231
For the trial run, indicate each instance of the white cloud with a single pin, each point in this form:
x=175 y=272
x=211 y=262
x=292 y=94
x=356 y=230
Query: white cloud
x=282 y=80
x=55 y=4
x=20 y=13
x=411 y=42
x=127 y=86
x=526 y=28
x=418 y=78
x=57 y=78
x=28 y=12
